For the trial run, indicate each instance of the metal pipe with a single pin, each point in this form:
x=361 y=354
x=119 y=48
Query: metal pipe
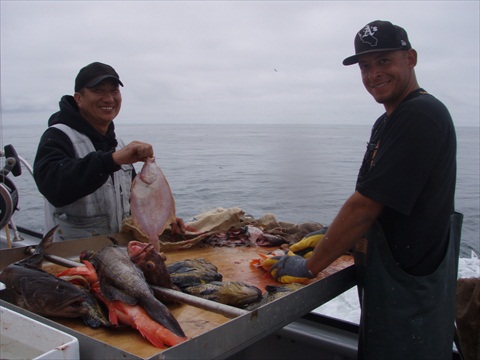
x=183 y=298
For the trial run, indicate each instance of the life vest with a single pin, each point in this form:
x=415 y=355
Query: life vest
x=99 y=213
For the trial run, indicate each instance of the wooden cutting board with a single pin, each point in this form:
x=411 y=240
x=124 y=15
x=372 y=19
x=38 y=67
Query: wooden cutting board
x=232 y=262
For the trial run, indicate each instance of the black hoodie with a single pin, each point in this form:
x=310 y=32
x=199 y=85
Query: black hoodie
x=60 y=176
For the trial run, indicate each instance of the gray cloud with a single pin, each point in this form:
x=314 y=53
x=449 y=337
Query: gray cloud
x=214 y=61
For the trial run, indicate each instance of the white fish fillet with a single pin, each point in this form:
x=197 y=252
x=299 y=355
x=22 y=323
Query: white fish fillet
x=151 y=202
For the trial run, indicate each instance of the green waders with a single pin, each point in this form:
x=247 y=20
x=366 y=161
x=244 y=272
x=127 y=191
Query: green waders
x=404 y=316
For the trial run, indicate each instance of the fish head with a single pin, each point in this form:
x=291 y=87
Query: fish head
x=243 y=293
x=93 y=313
x=151 y=262
x=53 y=297
x=191 y=272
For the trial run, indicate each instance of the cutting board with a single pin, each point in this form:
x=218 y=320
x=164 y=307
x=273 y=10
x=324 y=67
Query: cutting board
x=232 y=262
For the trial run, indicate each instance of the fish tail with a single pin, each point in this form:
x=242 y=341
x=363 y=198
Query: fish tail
x=36 y=258
x=162 y=315
x=46 y=242
x=154 y=340
x=168 y=337
x=155 y=241
x=113 y=309
x=156 y=333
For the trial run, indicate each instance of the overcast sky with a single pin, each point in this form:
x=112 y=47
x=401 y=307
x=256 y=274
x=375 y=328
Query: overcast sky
x=215 y=61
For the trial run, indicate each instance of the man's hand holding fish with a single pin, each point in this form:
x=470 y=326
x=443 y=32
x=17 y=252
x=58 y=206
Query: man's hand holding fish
x=132 y=153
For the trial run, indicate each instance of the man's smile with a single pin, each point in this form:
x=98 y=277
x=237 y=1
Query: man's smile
x=380 y=85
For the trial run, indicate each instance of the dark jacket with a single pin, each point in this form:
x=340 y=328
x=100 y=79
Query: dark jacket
x=60 y=176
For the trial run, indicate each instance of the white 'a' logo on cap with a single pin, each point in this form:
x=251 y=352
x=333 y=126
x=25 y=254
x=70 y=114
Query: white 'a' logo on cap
x=367 y=35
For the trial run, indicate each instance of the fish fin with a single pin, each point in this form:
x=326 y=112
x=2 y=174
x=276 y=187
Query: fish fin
x=112 y=239
x=94 y=322
x=161 y=314
x=112 y=293
x=155 y=333
x=36 y=259
x=161 y=334
x=112 y=314
x=149 y=333
x=152 y=339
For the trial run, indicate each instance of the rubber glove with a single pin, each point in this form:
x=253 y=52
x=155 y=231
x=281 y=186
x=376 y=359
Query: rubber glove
x=291 y=269
x=305 y=246
x=269 y=262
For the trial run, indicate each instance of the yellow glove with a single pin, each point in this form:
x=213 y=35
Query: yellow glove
x=305 y=246
x=269 y=262
x=291 y=269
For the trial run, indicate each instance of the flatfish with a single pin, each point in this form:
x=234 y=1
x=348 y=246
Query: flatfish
x=151 y=202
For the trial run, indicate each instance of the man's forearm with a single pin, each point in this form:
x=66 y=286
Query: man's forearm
x=353 y=220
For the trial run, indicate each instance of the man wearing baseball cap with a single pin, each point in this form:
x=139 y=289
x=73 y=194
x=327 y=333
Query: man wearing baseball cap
x=84 y=171
x=400 y=220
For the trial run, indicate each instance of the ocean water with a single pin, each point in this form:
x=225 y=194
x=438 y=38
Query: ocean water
x=300 y=173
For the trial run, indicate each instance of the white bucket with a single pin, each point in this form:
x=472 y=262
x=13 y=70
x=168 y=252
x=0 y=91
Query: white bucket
x=25 y=338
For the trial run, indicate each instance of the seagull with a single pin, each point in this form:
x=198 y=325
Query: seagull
x=275 y=70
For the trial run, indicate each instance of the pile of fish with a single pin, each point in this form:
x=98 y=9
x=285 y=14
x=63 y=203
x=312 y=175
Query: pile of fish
x=112 y=277
x=30 y=287
x=200 y=278
x=116 y=281
x=115 y=275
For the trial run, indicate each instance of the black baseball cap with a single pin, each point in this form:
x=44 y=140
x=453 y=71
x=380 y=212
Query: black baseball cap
x=93 y=74
x=378 y=36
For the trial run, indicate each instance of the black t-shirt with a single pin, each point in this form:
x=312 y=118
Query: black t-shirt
x=410 y=167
